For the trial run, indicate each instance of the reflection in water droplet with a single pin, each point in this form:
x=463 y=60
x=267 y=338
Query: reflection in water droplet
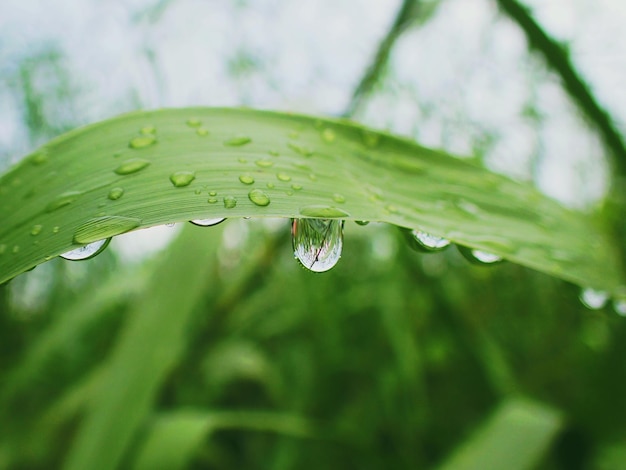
x=264 y=163
x=238 y=141
x=148 y=130
x=340 y=198
x=242 y=160
x=274 y=153
x=116 y=193
x=56 y=229
x=259 y=198
x=362 y=222
x=194 y=122
x=328 y=135
x=593 y=299
x=181 y=179
x=131 y=166
x=88 y=251
x=16 y=249
x=283 y=177
x=426 y=242
x=230 y=202
x=36 y=230
x=246 y=179
x=207 y=222
x=202 y=132
x=142 y=142
x=317 y=243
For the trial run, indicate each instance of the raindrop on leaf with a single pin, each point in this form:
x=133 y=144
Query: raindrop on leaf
x=264 y=163
x=116 y=193
x=36 y=230
x=148 y=130
x=246 y=179
x=230 y=202
x=478 y=256
x=133 y=165
x=340 y=198
x=194 y=122
x=142 y=141
x=181 y=179
x=317 y=243
x=259 y=198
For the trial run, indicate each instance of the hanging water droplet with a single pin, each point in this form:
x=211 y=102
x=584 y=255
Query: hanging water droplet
x=142 y=142
x=317 y=243
x=230 y=202
x=36 y=230
x=132 y=165
x=194 y=122
x=198 y=192
x=116 y=193
x=300 y=149
x=202 y=132
x=362 y=222
x=259 y=198
x=340 y=198
x=148 y=130
x=593 y=299
x=88 y=251
x=423 y=241
x=238 y=141
x=181 y=179
x=478 y=256
x=264 y=163
x=328 y=135
x=370 y=139
x=246 y=179
x=207 y=222
x=283 y=177
x=56 y=229
x=63 y=200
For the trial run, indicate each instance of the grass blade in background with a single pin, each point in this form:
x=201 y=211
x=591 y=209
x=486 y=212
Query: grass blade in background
x=150 y=168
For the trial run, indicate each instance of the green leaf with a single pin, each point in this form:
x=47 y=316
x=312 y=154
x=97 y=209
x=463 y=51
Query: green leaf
x=514 y=437
x=149 y=168
x=174 y=437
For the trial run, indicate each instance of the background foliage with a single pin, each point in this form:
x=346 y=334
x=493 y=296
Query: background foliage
x=219 y=351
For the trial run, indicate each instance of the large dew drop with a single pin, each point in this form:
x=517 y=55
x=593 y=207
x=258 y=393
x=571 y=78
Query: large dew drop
x=593 y=299
x=423 y=241
x=207 y=222
x=180 y=179
x=87 y=251
x=317 y=243
x=258 y=197
x=144 y=141
x=132 y=165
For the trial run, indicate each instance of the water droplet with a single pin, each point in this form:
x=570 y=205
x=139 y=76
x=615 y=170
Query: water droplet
x=104 y=227
x=283 y=177
x=370 y=139
x=212 y=200
x=213 y=193
x=340 y=198
x=207 y=222
x=202 y=132
x=264 y=163
x=246 y=179
x=312 y=176
x=56 y=229
x=300 y=149
x=63 y=200
x=270 y=185
x=148 y=130
x=325 y=212
x=88 y=251
x=317 y=243
x=132 y=165
x=296 y=186
x=242 y=160
x=142 y=141
x=259 y=198
x=194 y=122
x=274 y=153
x=16 y=249
x=423 y=241
x=36 y=230
x=40 y=157
x=116 y=193
x=478 y=256
x=289 y=193
x=328 y=135
x=230 y=202
x=238 y=141
x=593 y=299
x=362 y=222
x=180 y=179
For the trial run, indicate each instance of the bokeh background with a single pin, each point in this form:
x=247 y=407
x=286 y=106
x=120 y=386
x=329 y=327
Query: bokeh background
x=391 y=360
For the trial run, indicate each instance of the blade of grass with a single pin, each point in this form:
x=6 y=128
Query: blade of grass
x=514 y=437
x=306 y=166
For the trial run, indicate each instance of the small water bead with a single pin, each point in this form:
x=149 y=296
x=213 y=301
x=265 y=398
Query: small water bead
x=88 y=251
x=180 y=179
x=212 y=200
x=317 y=243
x=207 y=222
x=238 y=141
x=264 y=163
x=300 y=149
x=340 y=198
x=426 y=242
x=36 y=230
x=202 y=132
x=312 y=176
x=296 y=187
x=283 y=177
x=274 y=153
x=242 y=160
x=142 y=142
x=478 y=256
x=63 y=200
x=39 y=158
x=246 y=179
x=194 y=122
x=56 y=229
x=259 y=198
x=212 y=193
x=116 y=193
x=148 y=130
x=230 y=202
x=328 y=135
x=16 y=249
x=270 y=185
x=197 y=192
x=289 y=193
x=593 y=299
x=132 y=165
